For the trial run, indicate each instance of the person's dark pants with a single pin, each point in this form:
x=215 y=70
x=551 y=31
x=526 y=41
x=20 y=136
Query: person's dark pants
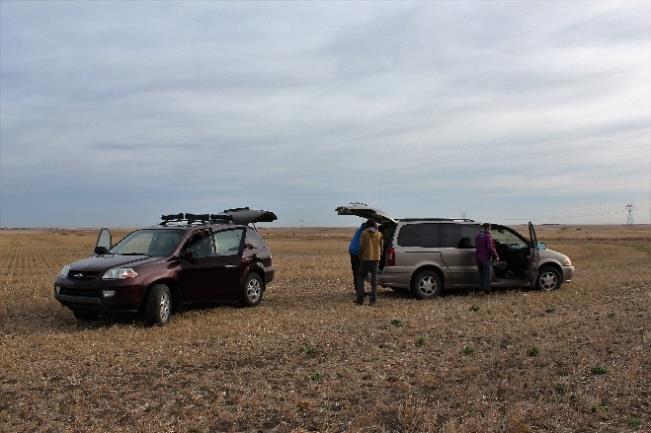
x=366 y=267
x=354 y=264
x=484 y=268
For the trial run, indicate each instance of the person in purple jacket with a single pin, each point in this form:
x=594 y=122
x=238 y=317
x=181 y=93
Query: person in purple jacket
x=484 y=254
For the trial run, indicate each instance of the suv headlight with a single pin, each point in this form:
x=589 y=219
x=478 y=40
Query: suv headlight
x=119 y=274
x=567 y=261
x=64 y=271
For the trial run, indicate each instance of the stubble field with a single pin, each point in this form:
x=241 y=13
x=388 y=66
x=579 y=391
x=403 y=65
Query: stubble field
x=308 y=359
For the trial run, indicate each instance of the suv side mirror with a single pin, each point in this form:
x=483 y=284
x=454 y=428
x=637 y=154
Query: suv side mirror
x=101 y=250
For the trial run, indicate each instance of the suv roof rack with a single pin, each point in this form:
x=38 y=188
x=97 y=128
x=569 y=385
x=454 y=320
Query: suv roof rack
x=190 y=218
x=466 y=220
x=239 y=215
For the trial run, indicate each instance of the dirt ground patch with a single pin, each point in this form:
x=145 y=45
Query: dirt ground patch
x=308 y=359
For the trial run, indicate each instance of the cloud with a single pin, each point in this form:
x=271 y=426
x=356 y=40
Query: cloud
x=117 y=113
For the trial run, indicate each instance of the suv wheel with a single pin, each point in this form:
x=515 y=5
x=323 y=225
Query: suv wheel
x=85 y=315
x=426 y=284
x=548 y=279
x=252 y=290
x=158 y=305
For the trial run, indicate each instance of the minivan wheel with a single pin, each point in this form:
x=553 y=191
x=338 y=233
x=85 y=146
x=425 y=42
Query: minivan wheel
x=158 y=305
x=252 y=290
x=426 y=284
x=548 y=279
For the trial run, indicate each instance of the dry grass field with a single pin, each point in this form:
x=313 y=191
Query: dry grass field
x=308 y=359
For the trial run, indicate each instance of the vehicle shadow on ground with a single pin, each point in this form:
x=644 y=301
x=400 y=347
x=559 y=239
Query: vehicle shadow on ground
x=453 y=293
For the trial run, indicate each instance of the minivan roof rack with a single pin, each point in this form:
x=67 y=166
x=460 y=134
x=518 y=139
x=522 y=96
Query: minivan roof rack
x=437 y=219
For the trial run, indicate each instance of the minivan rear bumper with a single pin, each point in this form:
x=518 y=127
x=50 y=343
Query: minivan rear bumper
x=395 y=276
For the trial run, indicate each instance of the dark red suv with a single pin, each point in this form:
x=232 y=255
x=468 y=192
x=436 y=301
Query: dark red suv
x=154 y=271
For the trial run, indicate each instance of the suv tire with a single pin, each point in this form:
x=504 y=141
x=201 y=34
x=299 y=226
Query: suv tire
x=252 y=290
x=158 y=305
x=548 y=279
x=426 y=284
x=87 y=316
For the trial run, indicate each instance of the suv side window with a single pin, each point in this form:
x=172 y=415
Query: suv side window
x=227 y=242
x=419 y=235
x=200 y=245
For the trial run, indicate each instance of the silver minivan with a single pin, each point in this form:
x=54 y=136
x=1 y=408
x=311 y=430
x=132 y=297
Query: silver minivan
x=426 y=255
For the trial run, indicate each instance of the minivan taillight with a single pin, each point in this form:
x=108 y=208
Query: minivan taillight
x=391 y=257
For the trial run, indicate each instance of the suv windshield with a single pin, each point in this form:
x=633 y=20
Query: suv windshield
x=149 y=242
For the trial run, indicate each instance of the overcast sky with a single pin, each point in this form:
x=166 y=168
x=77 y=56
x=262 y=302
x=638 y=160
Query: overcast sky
x=112 y=113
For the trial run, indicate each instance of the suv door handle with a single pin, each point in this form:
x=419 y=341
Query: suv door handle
x=230 y=266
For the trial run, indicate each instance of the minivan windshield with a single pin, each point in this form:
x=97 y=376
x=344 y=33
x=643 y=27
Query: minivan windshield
x=507 y=237
x=149 y=242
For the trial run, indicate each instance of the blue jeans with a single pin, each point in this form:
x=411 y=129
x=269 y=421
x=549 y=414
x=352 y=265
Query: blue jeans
x=366 y=267
x=484 y=268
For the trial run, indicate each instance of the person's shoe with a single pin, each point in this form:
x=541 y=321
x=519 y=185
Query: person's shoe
x=371 y=302
x=358 y=301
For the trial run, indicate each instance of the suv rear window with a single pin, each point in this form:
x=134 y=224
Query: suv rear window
x=253 y=239
x=438 y=235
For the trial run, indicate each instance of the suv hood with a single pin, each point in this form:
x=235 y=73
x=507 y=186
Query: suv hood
x=108 y=261
x=364 y=211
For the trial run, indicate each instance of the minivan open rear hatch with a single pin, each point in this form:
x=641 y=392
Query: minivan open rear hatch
x=364 y=211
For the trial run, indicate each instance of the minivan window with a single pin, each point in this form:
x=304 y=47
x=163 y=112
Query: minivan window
x=507 y=237
x=450 y=236
x=468 y=233
x=419 y=235
x=438 y=235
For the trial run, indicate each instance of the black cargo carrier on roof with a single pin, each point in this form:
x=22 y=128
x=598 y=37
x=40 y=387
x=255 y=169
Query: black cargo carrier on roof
x=241 y=216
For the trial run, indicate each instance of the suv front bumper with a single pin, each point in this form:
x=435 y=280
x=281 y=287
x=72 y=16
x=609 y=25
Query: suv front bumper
x=103 y=296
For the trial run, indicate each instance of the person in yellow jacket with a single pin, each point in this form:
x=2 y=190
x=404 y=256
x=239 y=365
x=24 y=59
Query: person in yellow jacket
x=370 y=251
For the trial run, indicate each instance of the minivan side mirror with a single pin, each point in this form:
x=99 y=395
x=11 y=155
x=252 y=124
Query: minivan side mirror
x=104 y=240
x=101 y=250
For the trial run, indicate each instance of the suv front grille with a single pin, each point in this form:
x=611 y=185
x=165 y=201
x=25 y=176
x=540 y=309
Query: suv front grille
x=79 y=292
x=83 y=275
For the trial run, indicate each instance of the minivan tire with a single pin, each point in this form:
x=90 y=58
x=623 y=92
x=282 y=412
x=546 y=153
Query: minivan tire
x=252 y=290
x=548 y=279
x=158 y=305
x=426 y=284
